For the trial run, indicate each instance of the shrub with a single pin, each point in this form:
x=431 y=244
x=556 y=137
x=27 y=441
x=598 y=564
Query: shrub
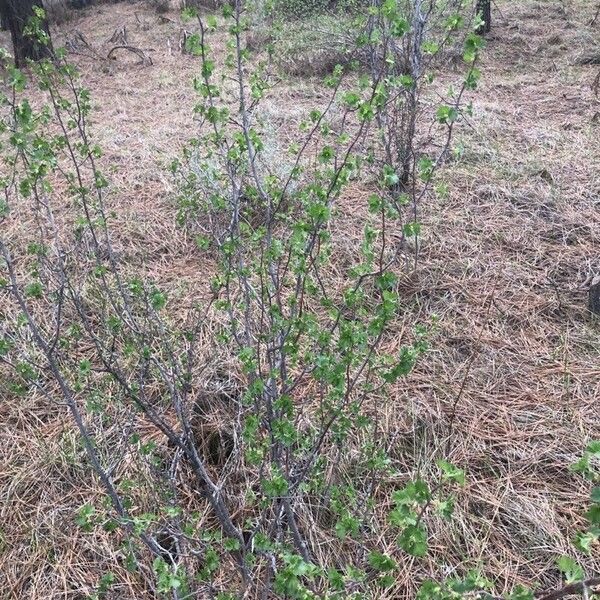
x=272 y=479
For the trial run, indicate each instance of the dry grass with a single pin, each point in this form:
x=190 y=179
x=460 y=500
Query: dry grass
x=506 y=257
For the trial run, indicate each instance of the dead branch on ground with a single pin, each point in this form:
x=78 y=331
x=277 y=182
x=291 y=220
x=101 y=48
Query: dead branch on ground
x=144 y=58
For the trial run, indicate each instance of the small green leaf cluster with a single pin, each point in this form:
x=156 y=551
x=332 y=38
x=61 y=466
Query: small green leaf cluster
x=412 y=501
x=169 y=578
x=472 y=585
x=589 y=467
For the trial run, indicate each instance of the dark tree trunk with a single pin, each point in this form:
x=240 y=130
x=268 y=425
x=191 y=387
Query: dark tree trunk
x=15 y=15
x=484 y=10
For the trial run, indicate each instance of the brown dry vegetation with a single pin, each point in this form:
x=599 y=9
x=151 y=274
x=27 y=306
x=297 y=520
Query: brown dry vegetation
x=510 y=244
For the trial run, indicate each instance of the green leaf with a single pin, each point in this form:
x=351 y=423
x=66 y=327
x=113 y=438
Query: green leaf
x=450 y=472
x=275 y=487
x=430 y=47
x=327 y=153
x=17 y=79
x=520 y=593
x=593 y=514
x=193 y=45
x=352 y=99
x=406 y=80
x=412 y=229
x=582 y=466
x=189 y=13
x=315 y=115
x=413 y=540
x=472 y=45
x=570 y=569
x=426 y=167
x=366 y=112
x=386 y=580
x=5 y=346
x=85 y=517
x=454 y=22
x=335 y=579
x=416 y=492
x=390 y=177
x=158 y=300
x=594 y=448
x=585 y=540
x=445 y=508
x=34 y=290
x=208 y=67
x=231 y=544
x=472 y=78
x=381 y=562
x=400 y=27
x=586 y=464
x=403 y=516
x=106 y=581
x=347 y=525
x=85 y=366
x=406 y=362
x=447 y=114
x=203 y=242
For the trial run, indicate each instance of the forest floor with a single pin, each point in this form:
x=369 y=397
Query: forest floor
x=507 y=255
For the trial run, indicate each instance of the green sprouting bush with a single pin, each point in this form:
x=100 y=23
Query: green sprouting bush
x=310 y=344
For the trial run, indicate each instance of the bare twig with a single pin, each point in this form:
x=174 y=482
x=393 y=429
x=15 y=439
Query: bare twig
x=577 y=588
x=144 y=58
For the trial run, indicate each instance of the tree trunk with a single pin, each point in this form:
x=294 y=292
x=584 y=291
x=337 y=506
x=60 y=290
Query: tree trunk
x=484 y=10
x=15 y=15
